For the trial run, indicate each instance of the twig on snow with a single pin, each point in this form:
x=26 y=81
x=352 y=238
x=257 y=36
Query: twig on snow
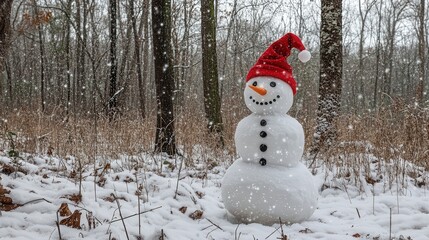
x=214 y=224
x=58 y=226
x=150 y=210
x=120 y=214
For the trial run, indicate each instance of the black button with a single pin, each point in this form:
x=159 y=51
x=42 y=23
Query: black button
x=263 y=122
x=263 y=134
x=263 y=162
x=263 y=147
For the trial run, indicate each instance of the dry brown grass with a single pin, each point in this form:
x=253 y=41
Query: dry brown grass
x=379 y=147
x=85 y=137
x=400 y=132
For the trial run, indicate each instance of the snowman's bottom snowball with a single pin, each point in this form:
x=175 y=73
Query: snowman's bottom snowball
x=263 y=194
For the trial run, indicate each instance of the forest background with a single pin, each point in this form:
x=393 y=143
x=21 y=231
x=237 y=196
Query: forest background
x=62 y=93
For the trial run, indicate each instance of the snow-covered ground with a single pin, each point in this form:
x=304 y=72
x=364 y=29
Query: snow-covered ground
x=344 y=211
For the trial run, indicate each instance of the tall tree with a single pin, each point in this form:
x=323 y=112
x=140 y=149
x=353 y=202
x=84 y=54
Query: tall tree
x=363 y=13
x=330 y=74
x=422 y=48
x=68 y=57
x=5 y=9
x=377 y=55
x=112 y=104
x=138 y=60
x=165 y=140
x=42 y=57
x=212 y=101
x=393 y=16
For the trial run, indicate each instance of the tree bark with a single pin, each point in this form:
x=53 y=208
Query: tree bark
x=5 y=9
x=144 y=24
x=5 y=31
x=330 y=75
x=422 y=58
x=212 y=101
x=42 y=59
x=68 y=103
x=112 y=103
x=138 y=60
x=165 y=140
x=363 y=16
x=377 y=57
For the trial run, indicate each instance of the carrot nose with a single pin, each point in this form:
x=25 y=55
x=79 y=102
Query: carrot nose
x=260 y=90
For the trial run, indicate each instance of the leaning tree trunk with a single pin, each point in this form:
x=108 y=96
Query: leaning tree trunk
x=164 y=79
x=330 y=75
x=212 y=102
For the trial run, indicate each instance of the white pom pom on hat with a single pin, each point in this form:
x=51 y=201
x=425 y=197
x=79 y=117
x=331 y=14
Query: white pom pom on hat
x=304 y=56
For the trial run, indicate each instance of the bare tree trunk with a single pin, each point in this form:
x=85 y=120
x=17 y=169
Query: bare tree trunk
x=228 y=34
x=422 y=58
x=42 y=60
x=165 y=140
x=377 y=58
x=212 y=102
x=5 y=9
x=112 y=103
x=363 y=15
x=330 y=74
x=125 y=49
x=68 y=103
x=82 y=91
x=78 y=76
x=393 y=19
x=94 y=52
x=5 y=30
x=145 y=53
x=138 y=60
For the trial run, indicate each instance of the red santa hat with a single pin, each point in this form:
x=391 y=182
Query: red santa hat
x=273 y=62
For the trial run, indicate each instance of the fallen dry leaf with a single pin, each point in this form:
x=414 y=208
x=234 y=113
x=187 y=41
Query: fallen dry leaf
x=183 y=209
x=8 y=207
x=3 y=190
x=5 y=200
x=198 y=214
x=199 y=194
x=110 y=198
x=6 y=203
x=73 y=221
x=77 y=198
x=64 y=210
x=356 y=235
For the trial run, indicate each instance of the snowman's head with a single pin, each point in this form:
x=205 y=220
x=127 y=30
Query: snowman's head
x=268 y=95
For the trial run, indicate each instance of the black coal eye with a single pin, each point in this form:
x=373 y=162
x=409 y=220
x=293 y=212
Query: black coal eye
x=255 y=83
x=272 y=84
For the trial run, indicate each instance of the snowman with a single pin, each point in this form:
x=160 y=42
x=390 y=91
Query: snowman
x=268 y=182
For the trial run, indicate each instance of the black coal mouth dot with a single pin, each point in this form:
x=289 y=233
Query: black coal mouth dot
x=264 y=103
